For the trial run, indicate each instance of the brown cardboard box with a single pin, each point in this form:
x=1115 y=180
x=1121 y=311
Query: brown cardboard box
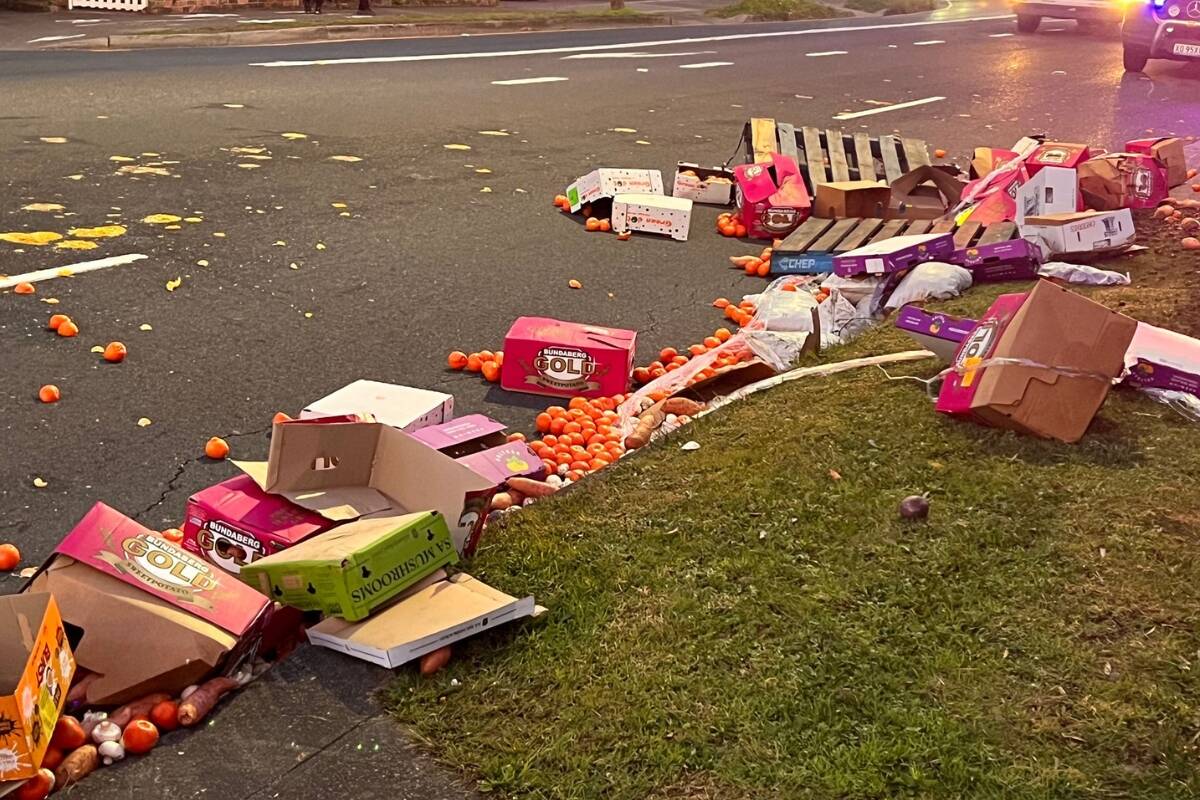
x=841 y=199
x=924 y=193
x=153 y=617
x=1169 y=152
x=1070 y=349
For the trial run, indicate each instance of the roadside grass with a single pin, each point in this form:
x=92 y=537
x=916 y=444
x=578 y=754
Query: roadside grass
x=889 y=7
x=740 y=622
x=394 y=17
x=778 y=10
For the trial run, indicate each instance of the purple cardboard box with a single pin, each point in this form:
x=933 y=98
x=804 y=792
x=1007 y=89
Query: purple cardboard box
x=1014 y=260
x=463 y=436
x=1161 y=359
x=940 y=333
x=893 y=255
x=503 y=462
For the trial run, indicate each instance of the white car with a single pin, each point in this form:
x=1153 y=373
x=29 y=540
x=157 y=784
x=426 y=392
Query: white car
x=1089 y=13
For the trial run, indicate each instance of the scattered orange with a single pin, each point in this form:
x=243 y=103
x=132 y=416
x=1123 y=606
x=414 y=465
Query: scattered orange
x=711 y=341
x=720 y=302
x=24 y=288
x=543 y=422
x=115 y=352
x=139 y=737
x=165 y=715
x=559 y=199
x=486 y=355
x=764 y=269
x=697 y=349
x=722 y=334
x=500 y=357
x=641 y=375
x=49 y=393
x=491 y=371
x=740 y=231
x=280 y=417
x=10 y=556
x=667 y=354
x=592 y=224
x=216 y=448
x=605 y=226
x=939 y=153
x=56 y=320
x=173 y=535
x=67 y=328
x=456 y=360
x=516 y=437
x=474 y=363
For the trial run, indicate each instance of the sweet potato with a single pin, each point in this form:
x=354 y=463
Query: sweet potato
x=531 y=488
x=648 y=422
x=78 y=765
x=682 y=406
x=435 y=661
x=204 y=699
x=138 y=708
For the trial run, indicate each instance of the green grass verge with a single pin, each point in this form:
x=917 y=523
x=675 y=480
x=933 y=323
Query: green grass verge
x=889 y=7
x=739 y=622
x=778 y=10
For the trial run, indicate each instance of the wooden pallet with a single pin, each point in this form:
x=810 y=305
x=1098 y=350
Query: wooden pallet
x=834 y=155
x=809 y=250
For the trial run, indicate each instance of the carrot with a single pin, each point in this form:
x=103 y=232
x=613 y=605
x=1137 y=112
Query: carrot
x=435 y=661
x=682 y=406
x=138 y=708
x=202 y=701
x=77 y=766
x=531 y=488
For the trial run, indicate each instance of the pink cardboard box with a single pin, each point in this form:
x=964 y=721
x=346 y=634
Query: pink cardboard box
x=1056 y=154
x=772 y=197
x=235 y=522
x=512 y=459
x=479 y=442
x=993 y=198
x=1123 y=180
x=565 y=359
x=1169 y=151
x=958 y=390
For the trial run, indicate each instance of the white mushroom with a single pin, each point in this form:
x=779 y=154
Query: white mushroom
x=91 y=719
x=106 y=731
x=111 y=751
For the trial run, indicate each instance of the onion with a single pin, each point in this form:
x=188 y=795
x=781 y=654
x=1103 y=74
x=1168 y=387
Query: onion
x=914 y=507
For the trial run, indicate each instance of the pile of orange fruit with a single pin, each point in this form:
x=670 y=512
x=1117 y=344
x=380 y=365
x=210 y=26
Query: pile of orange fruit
x=485 y=361
x=581 y=437
x=759 y=265
x=590 y=223
x=728 y=225
x=739 y=314
x=671 y=359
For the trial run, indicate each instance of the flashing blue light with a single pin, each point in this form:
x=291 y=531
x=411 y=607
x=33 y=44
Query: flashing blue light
x=1159 y=3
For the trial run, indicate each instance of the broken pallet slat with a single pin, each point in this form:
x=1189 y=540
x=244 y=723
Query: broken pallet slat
x=836 y=233
x=888 y=152
x=918 y=226
x=942 y=226
x=997 y=232
x=866 y=161
x=802 y=238
x=890 y=228
x=814 y=156
x=862 y=232
x=787 y=140
x=916 y=153
x=762 y=138
x=964 y=235
x=836 y=145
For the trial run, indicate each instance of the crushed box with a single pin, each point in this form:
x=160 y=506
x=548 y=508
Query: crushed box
x=1053 y=190
x=893 y=255
x=1080 y=231
x=1039 y=363
x=1123 y=180
x=235 y=522
x=710 y=185
x=564 y=359
x=345 y=470
x=1169 y=152
x=993 y=198
x=606 y=183
x=1013 y=260
x=985 y=160
x=435 y=614
x=772 y=198
x=652 y=213
x=36 y=667
x=153 y=617
x=403 y=407
x=841 y=199
x=940 y=333
x=356 y=567
x=1161 y=359
x=926 y=192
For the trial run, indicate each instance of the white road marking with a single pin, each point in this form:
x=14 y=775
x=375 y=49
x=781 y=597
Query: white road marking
x=706 y=65
x=882 y=109
x=264 y=21
x=999 y=35
x=70 y=269
x=828 y=53
x=522 y=81
x=931 y=41
x=637 y=55
x=732 y=37
x=56 y=38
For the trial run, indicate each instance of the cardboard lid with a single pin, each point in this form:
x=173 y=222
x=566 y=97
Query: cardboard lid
x=549 y=331
x=654 y=201
x=242 y=503
x=1065 y=218
x=20 y=621
x=458 y=431
x=345 y=544
x=391 y=404
x=109 y=542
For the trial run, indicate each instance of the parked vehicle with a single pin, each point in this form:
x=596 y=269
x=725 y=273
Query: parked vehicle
x=1088 y=12
x=1168 y=29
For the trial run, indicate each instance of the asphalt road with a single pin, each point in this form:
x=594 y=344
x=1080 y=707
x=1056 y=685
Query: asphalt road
x=435 y=254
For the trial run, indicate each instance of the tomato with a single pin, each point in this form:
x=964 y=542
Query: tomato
x=139 y=737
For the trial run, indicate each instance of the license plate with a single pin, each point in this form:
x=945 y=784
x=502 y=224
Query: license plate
x=1187 y=50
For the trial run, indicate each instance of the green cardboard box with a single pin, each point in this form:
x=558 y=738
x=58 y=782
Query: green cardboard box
x=356 y=567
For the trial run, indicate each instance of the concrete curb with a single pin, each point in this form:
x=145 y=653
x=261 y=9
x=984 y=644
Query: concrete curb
x=323 y=33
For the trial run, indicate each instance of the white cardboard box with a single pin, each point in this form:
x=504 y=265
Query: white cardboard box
x=712 y=185
x=1080 y=231
x=435 y=615
x=652 y=213
x=1053 y=190
x=609 y=182
x=402 y=407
